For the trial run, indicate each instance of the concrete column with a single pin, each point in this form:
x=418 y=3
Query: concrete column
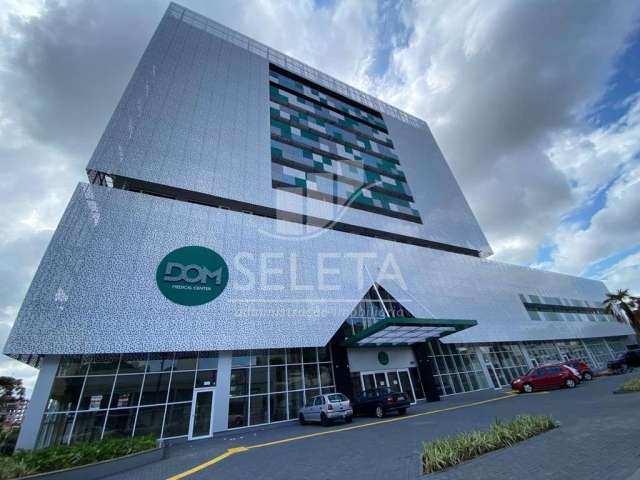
x=38 y=403
x=221 y=395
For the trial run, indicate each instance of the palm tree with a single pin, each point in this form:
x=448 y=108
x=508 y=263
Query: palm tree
x=622 y=300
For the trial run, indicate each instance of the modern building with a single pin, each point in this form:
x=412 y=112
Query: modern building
x=12 y=413
x=255 y=232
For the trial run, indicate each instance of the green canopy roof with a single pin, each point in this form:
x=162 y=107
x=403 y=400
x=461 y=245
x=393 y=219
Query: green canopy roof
x=395 y=331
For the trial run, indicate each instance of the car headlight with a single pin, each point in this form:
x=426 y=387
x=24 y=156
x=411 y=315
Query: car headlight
x=517 y=380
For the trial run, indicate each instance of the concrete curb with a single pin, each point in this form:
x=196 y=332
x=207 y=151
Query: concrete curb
x=94 y=471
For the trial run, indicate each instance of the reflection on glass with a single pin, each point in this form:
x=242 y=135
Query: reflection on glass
x=73 y=365
x=120 y=423
x=155 y=388
x=176 y=422
x=208 y=361
x=294 y=377
x=278 y=403
x=206 y=378
x=65 y=393
x=309 y=355
x=295 y=401
x=259 y=378
x=104 y=364
x=294 y=355
x=186 y=361
x=202 y=414
x=311 y=376
x=96 y=393
x=238 y=412
x=239 y=382
x=127 y=391
x=181 y=386
x=88 y=426
x=277 y=379
x=241 y=358
x=133 y=363
x=160 y=362
x=258 y=412
x=149 y=421
x=55 y=429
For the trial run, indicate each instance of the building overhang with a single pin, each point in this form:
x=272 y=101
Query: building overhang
x=401 y=331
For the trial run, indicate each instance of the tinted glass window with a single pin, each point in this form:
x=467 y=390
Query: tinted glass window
x=96 y=393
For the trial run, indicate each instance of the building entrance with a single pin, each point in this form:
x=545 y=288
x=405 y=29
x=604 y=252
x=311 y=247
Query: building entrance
x=396 y=380
x=200 y=424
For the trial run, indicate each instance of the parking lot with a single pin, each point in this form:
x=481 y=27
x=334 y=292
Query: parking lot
x=597 y=439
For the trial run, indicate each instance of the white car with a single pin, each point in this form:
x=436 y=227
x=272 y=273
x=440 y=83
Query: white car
x=326 y=408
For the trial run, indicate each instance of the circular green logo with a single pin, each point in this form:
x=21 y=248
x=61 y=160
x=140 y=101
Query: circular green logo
x=383 y=358
x=192 y=275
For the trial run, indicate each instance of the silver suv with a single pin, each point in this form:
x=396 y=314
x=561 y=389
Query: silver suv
x=326 y=408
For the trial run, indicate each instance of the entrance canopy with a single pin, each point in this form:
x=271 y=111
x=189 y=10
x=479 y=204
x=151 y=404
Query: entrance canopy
x=394 y=331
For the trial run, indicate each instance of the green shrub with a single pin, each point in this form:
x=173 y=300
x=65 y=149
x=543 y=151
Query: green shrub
x=632 y=385
x=67 y=456
x=449 y=451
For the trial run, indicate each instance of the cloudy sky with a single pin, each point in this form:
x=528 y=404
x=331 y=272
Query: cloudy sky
x=536 y=106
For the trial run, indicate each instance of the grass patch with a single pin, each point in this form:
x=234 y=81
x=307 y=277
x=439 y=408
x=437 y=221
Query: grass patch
x=629 y=386
x=447 y=452
x=57 y=458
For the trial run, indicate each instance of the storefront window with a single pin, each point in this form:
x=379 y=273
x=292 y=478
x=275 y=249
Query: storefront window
x=88 y=426
x=120 y=422
x=455 y=369
x=96 y=393
x=149 y=421
x=176 y=422
x=65 y=394
x=264 y=394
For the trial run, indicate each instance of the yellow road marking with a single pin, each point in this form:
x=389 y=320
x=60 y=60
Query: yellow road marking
x=234 y=450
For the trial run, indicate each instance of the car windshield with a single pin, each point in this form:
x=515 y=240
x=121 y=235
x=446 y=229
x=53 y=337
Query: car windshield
x=336 y=398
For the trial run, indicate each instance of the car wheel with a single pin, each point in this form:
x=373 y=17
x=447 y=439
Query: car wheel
x=587 y=376
x=379 y=411
x=402 y=411
x=624 y=368
x=348 y=419
x=527 y=388
x=323 y=419
x=301 y=419
x=569 y=383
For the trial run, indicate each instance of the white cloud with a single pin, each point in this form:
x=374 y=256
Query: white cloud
x=612 y=229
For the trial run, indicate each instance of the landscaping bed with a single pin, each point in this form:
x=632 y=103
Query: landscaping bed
x=447 y=452
x=630 y=386
x=21 y=464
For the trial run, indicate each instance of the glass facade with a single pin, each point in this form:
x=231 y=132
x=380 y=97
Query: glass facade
x=542 y=353
x=96 y=397
x=271 y=385
x=330 y=148
x=504 y=362
x=564 y=309
x=456 y=369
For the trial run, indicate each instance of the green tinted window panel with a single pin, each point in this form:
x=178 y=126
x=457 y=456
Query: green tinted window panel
x=300 y=158
x=334 y=132
x=337 y=157
x=291 y=102
x=326 y=99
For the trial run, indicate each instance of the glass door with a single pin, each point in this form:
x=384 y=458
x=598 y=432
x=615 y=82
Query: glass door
x=200 y=424
x=407 y=385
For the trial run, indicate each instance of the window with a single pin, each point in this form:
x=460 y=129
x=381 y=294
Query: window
x=455 y=369
x=124 y=395
x=271 y=385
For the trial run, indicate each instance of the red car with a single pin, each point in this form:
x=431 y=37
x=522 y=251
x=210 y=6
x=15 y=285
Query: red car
x=545 y=378
x=582 y=367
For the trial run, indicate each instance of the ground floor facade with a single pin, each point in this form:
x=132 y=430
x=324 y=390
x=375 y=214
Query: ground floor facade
x=192 y=395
